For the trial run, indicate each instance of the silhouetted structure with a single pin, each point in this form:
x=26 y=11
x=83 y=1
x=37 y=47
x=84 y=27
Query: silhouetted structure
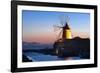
x=73 y=47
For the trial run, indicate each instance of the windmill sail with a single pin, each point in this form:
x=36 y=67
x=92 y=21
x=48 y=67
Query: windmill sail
x=65 y=29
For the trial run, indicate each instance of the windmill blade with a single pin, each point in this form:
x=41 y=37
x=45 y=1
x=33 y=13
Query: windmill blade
x=62 y=23
x=60 y=33
x=62 y=20
x=56 y=28
x=67 y=19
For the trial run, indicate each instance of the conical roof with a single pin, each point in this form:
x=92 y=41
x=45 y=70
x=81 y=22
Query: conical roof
x=66 y=26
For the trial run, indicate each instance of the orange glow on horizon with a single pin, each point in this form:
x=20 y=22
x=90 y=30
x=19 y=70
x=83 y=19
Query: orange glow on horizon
x=45 y=38
x=51 y=37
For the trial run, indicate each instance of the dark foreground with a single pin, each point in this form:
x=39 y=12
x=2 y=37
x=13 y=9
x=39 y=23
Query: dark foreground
x=71 y=48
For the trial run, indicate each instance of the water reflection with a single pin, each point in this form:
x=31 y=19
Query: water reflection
x=34 y=56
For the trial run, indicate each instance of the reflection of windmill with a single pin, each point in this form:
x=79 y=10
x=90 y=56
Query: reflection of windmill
x=65 y=29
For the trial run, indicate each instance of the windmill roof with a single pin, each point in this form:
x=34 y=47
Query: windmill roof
x=66 y=26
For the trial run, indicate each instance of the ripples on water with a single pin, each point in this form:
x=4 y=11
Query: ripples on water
x=42 y=57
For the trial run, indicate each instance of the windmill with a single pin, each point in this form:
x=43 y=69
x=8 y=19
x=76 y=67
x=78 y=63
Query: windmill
x=65 y=31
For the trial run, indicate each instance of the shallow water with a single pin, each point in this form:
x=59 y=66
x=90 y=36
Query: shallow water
x=42 y=57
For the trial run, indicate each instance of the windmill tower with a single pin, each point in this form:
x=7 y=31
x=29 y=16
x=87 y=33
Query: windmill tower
x=66 y=32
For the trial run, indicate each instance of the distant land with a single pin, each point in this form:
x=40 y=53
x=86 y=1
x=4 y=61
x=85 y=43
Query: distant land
x=35 y=45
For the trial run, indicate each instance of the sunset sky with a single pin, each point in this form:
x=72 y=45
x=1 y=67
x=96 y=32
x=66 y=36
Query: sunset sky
x=38 y=25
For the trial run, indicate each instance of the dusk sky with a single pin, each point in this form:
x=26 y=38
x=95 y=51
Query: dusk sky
x=38 y=25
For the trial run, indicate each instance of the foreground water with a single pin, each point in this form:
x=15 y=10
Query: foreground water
x=34 y=56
